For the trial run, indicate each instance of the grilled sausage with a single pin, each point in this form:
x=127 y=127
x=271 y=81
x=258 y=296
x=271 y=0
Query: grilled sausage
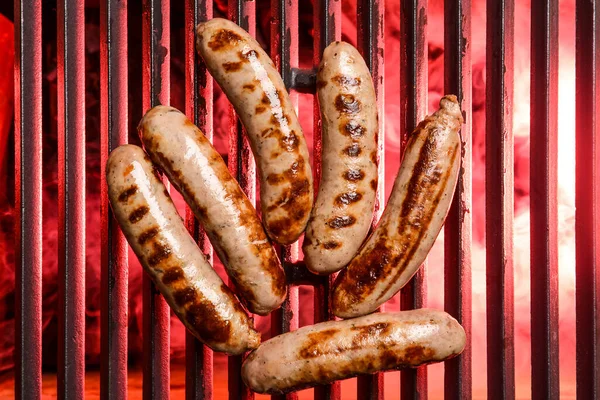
x=155 y=231
x=197 y=170
x=333 y=350
x=343 y=210
x=255 y=89
x=413 y=217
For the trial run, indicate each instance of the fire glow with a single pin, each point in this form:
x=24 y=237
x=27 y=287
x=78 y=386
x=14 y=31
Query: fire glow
x=566 y=190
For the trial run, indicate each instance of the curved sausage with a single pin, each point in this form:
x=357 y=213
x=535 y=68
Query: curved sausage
x=255 y=89
x=333 y=350
x=197 y=170
x=157 y=235
x=343 y=210
x=412 y=219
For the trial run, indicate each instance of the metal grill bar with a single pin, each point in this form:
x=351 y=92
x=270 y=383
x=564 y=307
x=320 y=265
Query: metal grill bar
x=457 y=230
x=370 y=24
x=587 y=197
x=156 y=90
x=243 y=168
x=71 y=199
x=114 y=275
x=327 y=25
x=544 y=197
x=499 y=184
x=284 y=52
x=413 y=108
x=199 y=108
x=28 y=199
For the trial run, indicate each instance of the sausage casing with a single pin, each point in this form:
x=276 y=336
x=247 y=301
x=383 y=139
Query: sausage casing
x=333 y=350
x=255 y=89
x=412 y=219
x=197 y=170
x=343 y=210
x=157 y=235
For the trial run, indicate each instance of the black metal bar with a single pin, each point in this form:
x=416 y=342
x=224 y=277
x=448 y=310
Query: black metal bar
x=199 y=108
x=28 y=199
x=71 y=199
x=370 y=27
x=243 y=168
x=156 y=90
x=114 y=275
x=499 y=183
x=327 y=23
x=413 y=108
x=303 y=80
x=587 y=197
x=284 y=52
x=457 y=231
x=544 y=213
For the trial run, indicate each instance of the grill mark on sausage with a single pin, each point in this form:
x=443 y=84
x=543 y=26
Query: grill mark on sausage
x=148 y=234
x=161 y=253
x=249 y=86
x=341 y=222
x=352 y=128
x=224 y=39
x=232 y=66
x=374 y=157
x=127 y=193
x=172 y=275
x=417 y=355
x=354 y=175
x=203 y=318
x=345 y=81
x=331 y=245
x=347 y=198
x=313 y=346
x=373 y=184
x=353 y=150
x=185 y=296
x=360 y=278
x=138 y=214
x=260 y=109
x=128 y=170
x=347 y=104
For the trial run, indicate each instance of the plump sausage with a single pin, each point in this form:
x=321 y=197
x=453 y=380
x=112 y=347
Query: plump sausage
x=155 y=231
x=343 y=210
x=333 y=350
x=197 y=170
x=412 y=219
x=255 y=89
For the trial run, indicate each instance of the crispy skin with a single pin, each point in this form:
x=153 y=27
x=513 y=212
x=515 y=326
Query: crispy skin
x=412 y=220
x=170 y=256
x=343 y=210
x=255 y=89
x=329 y=351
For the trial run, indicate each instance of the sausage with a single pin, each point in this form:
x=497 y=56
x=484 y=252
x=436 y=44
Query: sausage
x=343 y=210
x=255 y=89
x=157 y=235
x=197 y=170
x=412 y=219
x=333 y=350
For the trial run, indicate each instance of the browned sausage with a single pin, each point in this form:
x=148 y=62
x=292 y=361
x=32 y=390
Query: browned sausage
x=329 y=351
x=157 y=235
x=412 y=218
x=343 y=210
x=197 y=170
x=255 y=89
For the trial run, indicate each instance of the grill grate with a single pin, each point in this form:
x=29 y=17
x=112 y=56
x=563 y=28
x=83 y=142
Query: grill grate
x=284 y=49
